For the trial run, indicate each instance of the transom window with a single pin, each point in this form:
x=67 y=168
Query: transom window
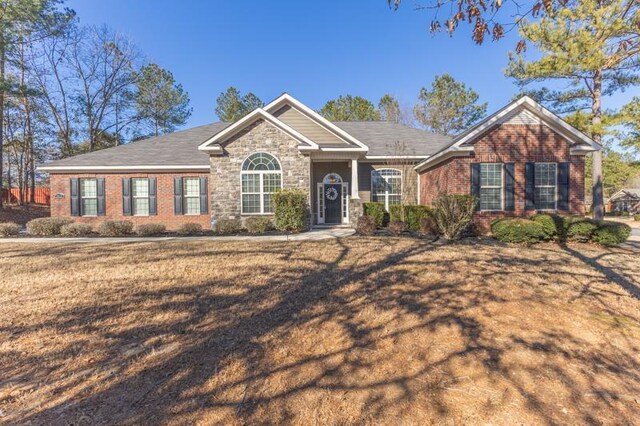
x=332 y=178
x=386 y=186
x=491 y=186
x=261 y=176
x=140 y=193
x=191 y=195
x=545 y=186
x=88 y=197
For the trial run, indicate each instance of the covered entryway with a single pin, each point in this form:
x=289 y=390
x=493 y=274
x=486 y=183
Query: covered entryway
x=332 y=200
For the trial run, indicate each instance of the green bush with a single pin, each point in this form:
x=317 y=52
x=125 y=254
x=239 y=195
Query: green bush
x=76 y=230
x=190 y=229
x=258 y=225
x=395 y=213
x=580 y=228
x=636 y=217
x=228 y=226
x=397 y=227
x=150 y=229
x=412 y=214
x=554 y=225
x=625 y=213
x=291 y=210
x=453 y=214
x=376 y=211
x=115 y=228
x=366 y=225
x=9 y=229
x=47 y=226
x=428 y=226
x=611 y=233
x=518 y=230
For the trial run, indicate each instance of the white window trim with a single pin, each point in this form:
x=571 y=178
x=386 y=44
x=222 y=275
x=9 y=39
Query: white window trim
x=185 y=197
x=555 y=184
x=80 y=197
x=261 y=193
x=501 y=188
x=134 y=197
x=386 y=192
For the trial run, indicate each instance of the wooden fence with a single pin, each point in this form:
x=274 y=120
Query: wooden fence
x=12 y=195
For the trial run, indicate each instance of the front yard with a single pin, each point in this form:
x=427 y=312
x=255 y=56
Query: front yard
x=360 y=330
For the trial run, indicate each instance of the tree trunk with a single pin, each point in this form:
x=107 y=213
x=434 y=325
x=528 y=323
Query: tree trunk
x=598 y=199
x=2 y=88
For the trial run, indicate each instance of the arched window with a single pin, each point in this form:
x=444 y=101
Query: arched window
x=386 y=186
x=332 y=178
x=261 y=176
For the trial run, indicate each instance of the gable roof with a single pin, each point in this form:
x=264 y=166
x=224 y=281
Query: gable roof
x=633 y=193
x=462 y=144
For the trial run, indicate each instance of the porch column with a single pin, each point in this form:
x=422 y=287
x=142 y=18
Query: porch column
x=354 y=179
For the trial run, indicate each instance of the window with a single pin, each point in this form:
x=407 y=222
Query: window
x=545 y=186
x=88 y=197
x=140 y=193
x=261 y=176
x=491 y=186
x=191 y=195
x=386 y=186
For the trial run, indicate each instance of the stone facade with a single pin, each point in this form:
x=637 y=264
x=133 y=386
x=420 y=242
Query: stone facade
x=508 y=143
x=225 y=188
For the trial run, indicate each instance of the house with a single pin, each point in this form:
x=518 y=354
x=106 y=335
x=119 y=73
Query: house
x=517 y=161
x=625 y=200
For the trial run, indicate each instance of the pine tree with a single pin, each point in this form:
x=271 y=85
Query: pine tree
x=232 y=106
x=350 y=108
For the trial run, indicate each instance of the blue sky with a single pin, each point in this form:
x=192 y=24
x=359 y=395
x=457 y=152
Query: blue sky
x=315 y=50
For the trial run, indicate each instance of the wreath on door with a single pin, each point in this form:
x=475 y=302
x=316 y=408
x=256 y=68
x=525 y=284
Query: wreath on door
x=331 y=194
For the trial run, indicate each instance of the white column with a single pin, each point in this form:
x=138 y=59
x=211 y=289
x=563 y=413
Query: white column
x=354 y=179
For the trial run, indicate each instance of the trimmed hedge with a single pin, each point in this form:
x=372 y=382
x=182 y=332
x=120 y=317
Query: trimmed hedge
x=47 y=226
x=9 y=229
x=611 y=233
x=258 y=225
x=397 y=227
x=428 y=226
x=580 y=228
x=366 y=225
x=190 y=229
x=76 y=230
x=518 y=230
x=150 y=229
x=228 y=226
x=115 y=228
x=376 y=211
x=554 y=225
x=413 y=213
x=290 y=210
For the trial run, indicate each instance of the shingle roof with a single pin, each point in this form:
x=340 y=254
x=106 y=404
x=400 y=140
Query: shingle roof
x=181 y=148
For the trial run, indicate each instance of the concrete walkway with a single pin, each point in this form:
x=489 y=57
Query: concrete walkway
x=313 y=235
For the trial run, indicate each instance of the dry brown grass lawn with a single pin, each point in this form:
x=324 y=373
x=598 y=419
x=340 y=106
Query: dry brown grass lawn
x=382 y=331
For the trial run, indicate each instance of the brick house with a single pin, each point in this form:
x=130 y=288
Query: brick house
x=517 y=161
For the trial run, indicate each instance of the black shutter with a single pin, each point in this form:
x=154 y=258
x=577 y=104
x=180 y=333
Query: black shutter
x=126 y=196
x=563 y=186
x=475 y=183
x=529 y=186
x=75 y=197
x=101 y=204
x=153 y=199
x=204 y=199
x=177 y=195
x=509 y=187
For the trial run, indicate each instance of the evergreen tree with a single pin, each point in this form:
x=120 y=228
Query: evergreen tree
x=232 y=106
x=390 y=109
x=350 y=108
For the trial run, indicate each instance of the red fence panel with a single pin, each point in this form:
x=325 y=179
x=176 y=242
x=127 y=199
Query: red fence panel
x=42 y=195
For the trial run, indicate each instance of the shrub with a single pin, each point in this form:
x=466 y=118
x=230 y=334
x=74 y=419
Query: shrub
x=290 y=209
x=397 y=227
x=75 y=230
x=414 y=215
x=258 y=225
x=580 y=228
x=47 y=226
x=636 y=217
x=554 y=225
x=150 y=229
x=453 y=214
x=228 y=226
x=395 y=213
x=190 y=229
x=625 y=213
x=428 y=226
x=115 y=228
x=376 y=211
x=366 y=225
x=518 y=230
x=9 y=229
x=611 y=233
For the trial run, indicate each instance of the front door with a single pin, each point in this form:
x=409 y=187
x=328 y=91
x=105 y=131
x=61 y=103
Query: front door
x=333 y=203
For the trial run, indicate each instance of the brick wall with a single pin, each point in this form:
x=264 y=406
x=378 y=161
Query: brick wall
x=61 y=207
x=509 y=143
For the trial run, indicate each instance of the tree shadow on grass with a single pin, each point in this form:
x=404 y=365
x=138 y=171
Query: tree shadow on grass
x=350 y=331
